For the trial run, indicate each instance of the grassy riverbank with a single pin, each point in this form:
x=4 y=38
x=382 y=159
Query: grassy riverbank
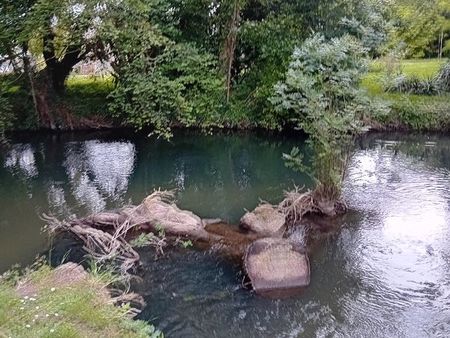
x=40 y=305
x=409 y=111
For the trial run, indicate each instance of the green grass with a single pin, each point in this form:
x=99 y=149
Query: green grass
x=422 y=68
x=87 y=95
x=418 y=112
x=77 y=310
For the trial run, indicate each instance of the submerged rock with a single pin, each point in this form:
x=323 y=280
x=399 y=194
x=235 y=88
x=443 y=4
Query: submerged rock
x=212 y=221
x=276 y=264
x=265 y=220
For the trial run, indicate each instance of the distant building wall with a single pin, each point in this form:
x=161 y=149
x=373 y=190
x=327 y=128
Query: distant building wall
x=92 y=68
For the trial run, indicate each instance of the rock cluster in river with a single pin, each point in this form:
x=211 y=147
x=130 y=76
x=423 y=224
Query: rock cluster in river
x=271 y=261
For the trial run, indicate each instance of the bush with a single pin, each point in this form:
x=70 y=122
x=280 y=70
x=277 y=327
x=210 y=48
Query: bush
x=321 y=95
x=443 y=78
x=407 y=114
x=6 y=115
x=178 y=87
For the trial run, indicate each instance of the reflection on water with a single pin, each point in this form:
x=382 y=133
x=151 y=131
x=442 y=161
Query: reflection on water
x=386 y=274
x=99 y=171
x=67 y=175
x=21 y=159
x=401 y=249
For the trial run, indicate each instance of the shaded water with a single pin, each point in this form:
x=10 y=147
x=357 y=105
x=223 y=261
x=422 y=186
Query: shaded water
x=386 y=274
x=77 y=174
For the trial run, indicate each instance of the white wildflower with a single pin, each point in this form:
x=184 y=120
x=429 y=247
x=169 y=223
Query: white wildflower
x=28 y=326
x=52 y=289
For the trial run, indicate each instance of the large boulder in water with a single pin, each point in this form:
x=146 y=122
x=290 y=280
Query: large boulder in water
x=158 y=211
x=276 y=264
x=265 y=220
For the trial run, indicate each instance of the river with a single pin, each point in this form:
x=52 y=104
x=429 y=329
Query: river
x=385 y=274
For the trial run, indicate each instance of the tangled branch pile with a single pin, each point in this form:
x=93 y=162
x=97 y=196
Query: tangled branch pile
x=104 y=245
x=105 y=235
x=299 y=203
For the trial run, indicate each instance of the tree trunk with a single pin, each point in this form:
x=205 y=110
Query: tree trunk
x=59 y=69
x=39 y=93
x=441 y=44
x=230 y=45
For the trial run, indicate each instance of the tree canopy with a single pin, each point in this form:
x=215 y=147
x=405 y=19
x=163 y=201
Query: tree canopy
x=196 y=62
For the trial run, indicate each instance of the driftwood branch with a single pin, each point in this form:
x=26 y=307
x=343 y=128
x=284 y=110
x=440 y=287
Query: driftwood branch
x=101 y=245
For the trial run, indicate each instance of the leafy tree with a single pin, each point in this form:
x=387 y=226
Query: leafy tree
x=43 y=40
x=268 y=31
x=321 y=95
x=180 y=86
x=423 y=26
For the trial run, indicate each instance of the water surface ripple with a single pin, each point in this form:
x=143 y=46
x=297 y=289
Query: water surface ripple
x=385 y=274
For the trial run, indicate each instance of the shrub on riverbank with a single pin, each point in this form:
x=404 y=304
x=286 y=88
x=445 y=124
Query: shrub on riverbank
x=87 y=97
x=321 y=95
x=48 y=308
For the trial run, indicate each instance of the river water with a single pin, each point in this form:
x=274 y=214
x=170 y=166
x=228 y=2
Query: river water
x=385 y=274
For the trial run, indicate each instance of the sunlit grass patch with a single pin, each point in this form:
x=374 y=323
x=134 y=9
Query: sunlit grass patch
x=424 y=68
x=412 y=111
x=90 y=85
x=87 y=95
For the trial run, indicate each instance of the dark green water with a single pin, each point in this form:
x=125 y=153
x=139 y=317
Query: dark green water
x=385 y=274
x=77 y=174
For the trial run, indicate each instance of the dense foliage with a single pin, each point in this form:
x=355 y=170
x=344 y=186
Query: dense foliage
x=178 y=87
x=191 y=63
x=321 y=95
x=421 y=27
